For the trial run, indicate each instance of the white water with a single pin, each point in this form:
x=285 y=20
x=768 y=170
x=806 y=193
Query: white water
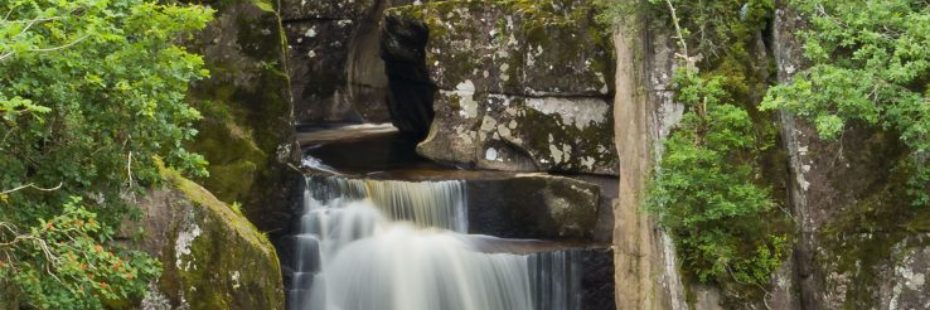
x=391 y=245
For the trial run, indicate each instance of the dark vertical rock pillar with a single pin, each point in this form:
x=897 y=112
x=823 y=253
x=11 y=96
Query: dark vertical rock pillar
x=410 y=96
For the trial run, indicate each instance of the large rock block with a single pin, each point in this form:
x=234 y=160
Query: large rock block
x=536 y=206
x=213 y=258
x=521 y=87
x=247 y=133
x=516 y=133
x=550 y=47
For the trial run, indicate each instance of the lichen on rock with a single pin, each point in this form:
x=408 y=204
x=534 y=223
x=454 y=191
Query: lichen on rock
x=510 y=76
x=213 y=258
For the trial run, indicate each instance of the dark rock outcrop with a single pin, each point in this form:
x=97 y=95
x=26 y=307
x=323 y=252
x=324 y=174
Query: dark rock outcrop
x=410 y=96
x=336 y=72
x=534 y=206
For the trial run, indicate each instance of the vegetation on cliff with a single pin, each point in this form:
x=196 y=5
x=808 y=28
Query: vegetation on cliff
x=90 y=91
x=714 y=188
x=708 y=191
x=869 y=63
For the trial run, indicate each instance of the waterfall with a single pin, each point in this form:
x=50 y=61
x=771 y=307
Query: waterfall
x=393 y=245
x=439 y=204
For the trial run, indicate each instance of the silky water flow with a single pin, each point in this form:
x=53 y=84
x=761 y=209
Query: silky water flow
x=395 y=245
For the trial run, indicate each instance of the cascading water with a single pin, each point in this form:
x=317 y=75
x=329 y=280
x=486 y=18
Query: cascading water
x=394 y=245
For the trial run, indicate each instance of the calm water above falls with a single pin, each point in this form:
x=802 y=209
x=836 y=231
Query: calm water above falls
x=393 y=245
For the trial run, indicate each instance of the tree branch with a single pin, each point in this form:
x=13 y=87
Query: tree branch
x=32 y=186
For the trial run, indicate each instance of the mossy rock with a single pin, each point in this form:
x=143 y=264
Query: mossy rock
x=876 y=253
x=516 y=133
x=247 y=132
x=213 y=257
x=516 y=47
x=523 y=86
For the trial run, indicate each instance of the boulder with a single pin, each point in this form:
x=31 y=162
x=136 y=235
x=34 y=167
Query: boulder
x=212 y=257
x=521 y=87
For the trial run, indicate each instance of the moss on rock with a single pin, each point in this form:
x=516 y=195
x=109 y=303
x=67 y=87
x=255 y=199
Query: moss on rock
x=247 y=133
x=862 y=247
x=212 y=257
x=516 y=47
x=8 y=297
x=523 y=85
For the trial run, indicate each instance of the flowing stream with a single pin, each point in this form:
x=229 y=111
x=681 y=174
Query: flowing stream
x=395 y=245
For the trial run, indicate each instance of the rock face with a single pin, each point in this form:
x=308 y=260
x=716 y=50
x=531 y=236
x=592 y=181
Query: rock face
x=410 y=99
x=521 y=87
x=862 y=246
x=247 y=133
x=337 y=74
x=534 y=206
x=212 y=257
x=646 y=271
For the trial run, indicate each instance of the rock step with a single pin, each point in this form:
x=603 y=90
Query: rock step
x=503 y=204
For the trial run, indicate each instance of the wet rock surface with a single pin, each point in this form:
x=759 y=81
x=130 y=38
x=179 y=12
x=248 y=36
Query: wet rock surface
x=533 y=206
x=502 y=204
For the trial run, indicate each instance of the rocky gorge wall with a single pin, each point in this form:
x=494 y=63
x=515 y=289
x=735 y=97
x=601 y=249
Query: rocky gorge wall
x=247 y=134
x=506 y=85
x=646 y=269
x=861 y=244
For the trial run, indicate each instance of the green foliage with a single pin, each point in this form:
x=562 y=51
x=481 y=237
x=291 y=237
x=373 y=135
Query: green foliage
x=706 y=191
x=709 y=189
x=62 y=263
x=710 y=28
x=90 y=91
x=869 y=63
